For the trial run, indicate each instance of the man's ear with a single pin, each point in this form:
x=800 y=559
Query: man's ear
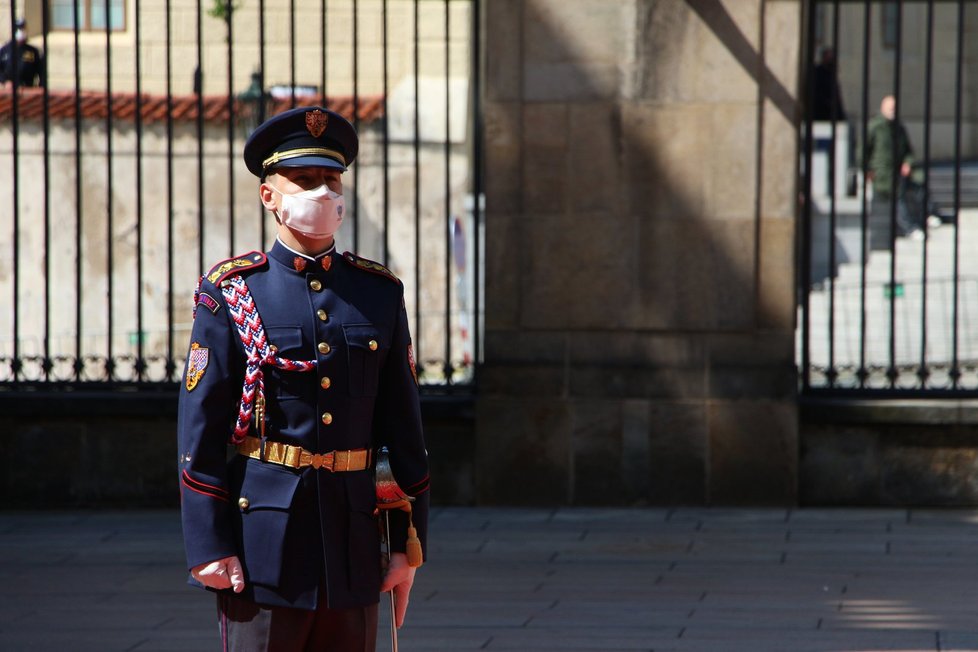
x=267 y=195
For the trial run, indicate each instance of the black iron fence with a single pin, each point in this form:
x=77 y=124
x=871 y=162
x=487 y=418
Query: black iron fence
x=126 y=182
x=888 y=303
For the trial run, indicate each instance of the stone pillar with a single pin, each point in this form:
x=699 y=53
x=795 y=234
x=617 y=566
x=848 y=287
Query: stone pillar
x=641 y=170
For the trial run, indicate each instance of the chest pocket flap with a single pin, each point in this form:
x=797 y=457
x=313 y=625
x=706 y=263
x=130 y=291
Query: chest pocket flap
x=288 y=384
x=366 y=351
x=288 y=340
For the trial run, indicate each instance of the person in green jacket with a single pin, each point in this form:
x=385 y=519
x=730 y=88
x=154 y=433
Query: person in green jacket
x=889 y=160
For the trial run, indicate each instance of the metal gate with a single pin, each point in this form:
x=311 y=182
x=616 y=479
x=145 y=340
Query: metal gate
x=888 y=292
x=122 y=161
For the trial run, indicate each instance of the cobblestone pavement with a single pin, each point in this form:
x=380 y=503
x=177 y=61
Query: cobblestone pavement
x=539 y=579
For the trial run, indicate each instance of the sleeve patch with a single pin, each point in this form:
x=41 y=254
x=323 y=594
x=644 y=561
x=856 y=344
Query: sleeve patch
x=209 y=302
x=196 y=364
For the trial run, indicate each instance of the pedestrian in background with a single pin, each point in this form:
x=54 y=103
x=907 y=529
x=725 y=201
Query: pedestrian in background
x=20 y=60
x=889 y=159
x=826 y=93
x=301 y=360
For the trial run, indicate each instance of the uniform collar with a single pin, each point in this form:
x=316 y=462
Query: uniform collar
x=299 y=262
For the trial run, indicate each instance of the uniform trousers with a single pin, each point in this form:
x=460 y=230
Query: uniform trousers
x=249 y=627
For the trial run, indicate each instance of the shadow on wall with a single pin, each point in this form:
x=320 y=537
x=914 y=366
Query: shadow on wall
x=639 y=286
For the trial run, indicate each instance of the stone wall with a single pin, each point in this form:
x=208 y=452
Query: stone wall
x=94 y=449
x=640 y=195
x=886 y=453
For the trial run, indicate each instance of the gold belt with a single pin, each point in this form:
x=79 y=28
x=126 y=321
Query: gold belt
x=297 y=457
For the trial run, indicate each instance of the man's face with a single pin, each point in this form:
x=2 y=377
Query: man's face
x=292 y=180
x=888 y=107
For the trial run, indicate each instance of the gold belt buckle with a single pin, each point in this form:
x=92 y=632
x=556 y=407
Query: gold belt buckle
x=320 y=461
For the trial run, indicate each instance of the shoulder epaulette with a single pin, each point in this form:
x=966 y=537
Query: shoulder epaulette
x=370 y=266
x=248 y=262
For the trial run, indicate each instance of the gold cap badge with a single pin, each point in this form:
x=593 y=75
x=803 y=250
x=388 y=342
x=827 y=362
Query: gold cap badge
x=316 y=122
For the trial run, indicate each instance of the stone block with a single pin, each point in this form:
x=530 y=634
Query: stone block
x=920 y=466
x=727 y=51
x=91 y=463
x=776 y=278
x=779 y=186
x=732 y=249
x=523 y=379
x=504 y=154
x=639 y=348
x=731 y=185
x=752 y=365
x=576 y=273
x=678 y=452
x=504 y=237
x=665 y=65
x=573 y=30
x=636 y=365
x=523 y=346
x=559 y=82
x=633 y=381
x=544 y=158
x=636 y=468
x=781 y=55
x=838 y=465
x=663 y=150
x=597 y=477
x=60 y=445
x=753 y=453
x=696 y=274
x=504 y=30
x=451 y=456
x=674 y=285
x=594 y=150
x=523 y=451
x=755 y=381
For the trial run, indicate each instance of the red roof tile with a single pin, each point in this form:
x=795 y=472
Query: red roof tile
x=153 y=108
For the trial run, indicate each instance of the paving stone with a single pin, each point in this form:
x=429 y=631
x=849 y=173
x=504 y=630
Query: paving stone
x=538 y=579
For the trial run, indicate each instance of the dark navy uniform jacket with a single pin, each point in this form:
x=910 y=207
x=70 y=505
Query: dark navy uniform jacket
x=302 y=531
x=26 y=65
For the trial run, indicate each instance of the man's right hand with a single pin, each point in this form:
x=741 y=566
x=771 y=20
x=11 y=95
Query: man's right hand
x=221 y=574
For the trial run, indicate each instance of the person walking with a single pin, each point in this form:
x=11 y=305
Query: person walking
x=889 y=160
x=301 y=360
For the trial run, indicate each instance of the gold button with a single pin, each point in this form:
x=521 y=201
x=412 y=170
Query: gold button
x=315 y=285
x=243 y=502
x=322 y=315
x=273 y=348
x=324 y=382
x=373 y=345
x=323 y=348
x=327 y=418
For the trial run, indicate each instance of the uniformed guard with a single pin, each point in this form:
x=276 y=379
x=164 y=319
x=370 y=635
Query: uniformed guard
x=21 y=61
x=301 y=360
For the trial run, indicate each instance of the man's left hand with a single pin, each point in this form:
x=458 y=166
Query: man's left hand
x=399 y=579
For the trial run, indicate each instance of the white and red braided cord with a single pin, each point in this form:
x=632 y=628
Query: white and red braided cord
x=244 y=312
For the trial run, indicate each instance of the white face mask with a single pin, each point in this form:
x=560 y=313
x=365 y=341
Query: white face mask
x=316 y=213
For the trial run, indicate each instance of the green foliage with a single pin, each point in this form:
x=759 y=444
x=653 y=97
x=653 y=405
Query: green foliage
x=223 y=9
